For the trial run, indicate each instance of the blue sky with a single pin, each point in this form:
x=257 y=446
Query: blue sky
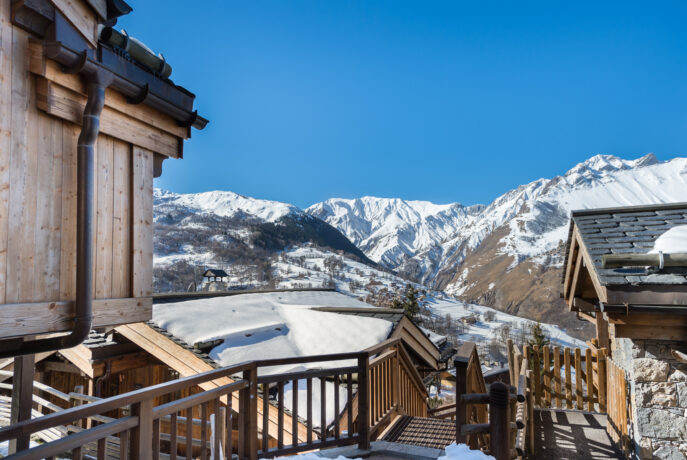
x=440 y=101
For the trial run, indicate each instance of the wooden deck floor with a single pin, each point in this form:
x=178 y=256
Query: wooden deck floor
x=572 y=435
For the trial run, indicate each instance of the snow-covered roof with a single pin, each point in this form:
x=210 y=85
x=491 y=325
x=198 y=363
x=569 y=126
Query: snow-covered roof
x=633 y=230
x=271 y=325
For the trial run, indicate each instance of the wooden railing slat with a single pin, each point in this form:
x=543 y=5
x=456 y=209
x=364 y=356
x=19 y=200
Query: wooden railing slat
x=265 y=415
x=294 y=411
x=280 y=424
x=568 y=378
x=349 y=393
x=189 y=433
x=336 y=407
x=323 y=409
x=310 y=422
x=203 y=430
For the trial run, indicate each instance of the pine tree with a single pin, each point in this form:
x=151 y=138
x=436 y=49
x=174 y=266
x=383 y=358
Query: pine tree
x=409 y=302
x=538 y=337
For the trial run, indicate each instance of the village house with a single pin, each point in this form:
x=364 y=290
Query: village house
x=626 y=272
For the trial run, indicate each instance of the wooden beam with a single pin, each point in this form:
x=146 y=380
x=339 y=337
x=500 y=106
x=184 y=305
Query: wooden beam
x=80 y=356
x=81 y=16
x=8 y=365
x=51 y=70
x=66 y=104
x=416 y=341
x=586 y=317
x=649 y=332
x=582 y=305
x=186 y=363
x=59 y=366
x=647 y=319
x=602 y=331
x=574 y=282
x=591 y=269
x=670 y=294
x=572 y=257
x=21 y=319
x=22 y=398
x=124 y=363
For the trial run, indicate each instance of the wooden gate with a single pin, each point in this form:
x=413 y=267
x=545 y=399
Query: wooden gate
x=617 y=425
x=565 y=378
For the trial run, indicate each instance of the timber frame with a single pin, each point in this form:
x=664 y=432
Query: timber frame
x=44 y=44
x=639 y=303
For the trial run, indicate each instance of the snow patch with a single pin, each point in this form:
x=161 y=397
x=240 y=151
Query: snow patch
x=673 y=241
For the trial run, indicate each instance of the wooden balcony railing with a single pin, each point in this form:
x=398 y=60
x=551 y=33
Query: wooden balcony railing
x=227 y=421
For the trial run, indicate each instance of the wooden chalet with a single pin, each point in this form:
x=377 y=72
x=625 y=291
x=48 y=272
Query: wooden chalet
x=84 y=128
x=134 y=356
x=637 y=298
x=214 y=274
x=87 y=116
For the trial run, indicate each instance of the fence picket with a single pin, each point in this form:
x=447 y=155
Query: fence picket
x=568 y=379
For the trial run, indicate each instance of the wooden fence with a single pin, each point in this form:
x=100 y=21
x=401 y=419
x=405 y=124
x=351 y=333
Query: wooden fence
x=490 y=418
x=230 y=421
x=617 y=426
x=565 y=378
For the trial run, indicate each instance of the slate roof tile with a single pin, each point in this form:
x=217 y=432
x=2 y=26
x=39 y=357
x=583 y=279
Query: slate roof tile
x=630 y=230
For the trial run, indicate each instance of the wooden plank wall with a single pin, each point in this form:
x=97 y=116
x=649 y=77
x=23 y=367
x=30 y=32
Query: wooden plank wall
x=38 y=201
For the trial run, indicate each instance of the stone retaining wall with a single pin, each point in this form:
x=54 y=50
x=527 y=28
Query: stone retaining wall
x=658 y=389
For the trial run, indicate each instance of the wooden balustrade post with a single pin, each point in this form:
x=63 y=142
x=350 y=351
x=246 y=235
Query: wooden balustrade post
x=363 y=402
x=511 y=363
x=22 y=398
x=601 y=372
x=461 y=364
x=249 y=398
x=499 y=421
x=142 y=434
x=395 y=379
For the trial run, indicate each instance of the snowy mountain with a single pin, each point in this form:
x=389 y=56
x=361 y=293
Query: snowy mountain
x=507 y=253
x=223 y=229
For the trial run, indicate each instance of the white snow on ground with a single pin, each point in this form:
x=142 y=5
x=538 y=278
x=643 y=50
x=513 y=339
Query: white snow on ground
x=463 y=452
x=673 y=241
x=453 y=452
x=272 y=325
x=485 y=329
x=316 y=399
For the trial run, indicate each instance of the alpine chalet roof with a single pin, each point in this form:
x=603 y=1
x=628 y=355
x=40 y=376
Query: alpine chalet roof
x=629 y=230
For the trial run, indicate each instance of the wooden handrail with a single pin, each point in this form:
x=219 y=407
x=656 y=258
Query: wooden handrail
x=385 y=368
x=28 y=427
x=76 y=440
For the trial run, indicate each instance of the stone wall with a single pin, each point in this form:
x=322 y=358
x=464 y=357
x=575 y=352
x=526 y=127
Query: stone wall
x=658 y=389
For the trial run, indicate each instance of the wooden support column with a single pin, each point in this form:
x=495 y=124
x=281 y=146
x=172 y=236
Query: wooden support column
x=461 y=389
x=22 y=398
x=602 y=331
x=363 y=402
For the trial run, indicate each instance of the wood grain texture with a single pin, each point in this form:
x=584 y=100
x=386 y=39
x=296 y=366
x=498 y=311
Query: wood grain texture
x=121 y=220
x=50 y=70
x=82 y=17
x=104 y=213
x=70 y=136
x=142 y=237
x=64 y=103
x=48 y=317
x=5 y=136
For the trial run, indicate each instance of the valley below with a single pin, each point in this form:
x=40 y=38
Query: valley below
x=505 y=256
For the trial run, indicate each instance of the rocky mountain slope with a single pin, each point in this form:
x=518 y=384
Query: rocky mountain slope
x=224 y=229
x=508 y=253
